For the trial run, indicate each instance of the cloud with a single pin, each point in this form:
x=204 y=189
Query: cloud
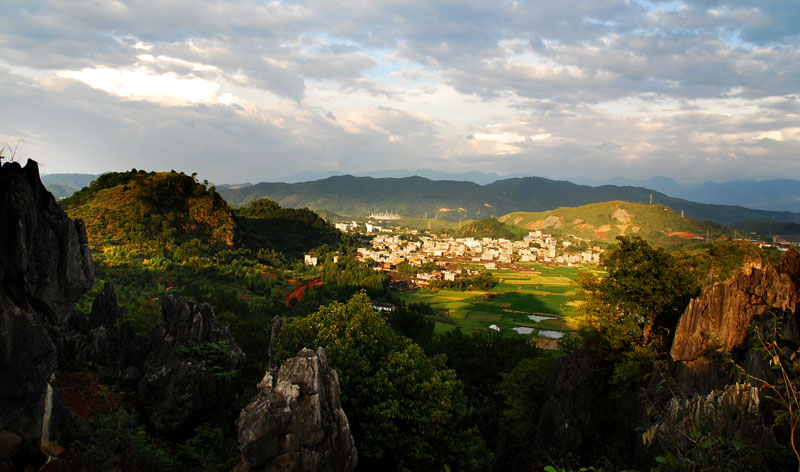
x=705 y=88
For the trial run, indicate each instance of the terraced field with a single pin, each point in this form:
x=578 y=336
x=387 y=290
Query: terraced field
x=540 y=302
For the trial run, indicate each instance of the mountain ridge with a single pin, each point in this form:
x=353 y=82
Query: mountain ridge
x=418 y=197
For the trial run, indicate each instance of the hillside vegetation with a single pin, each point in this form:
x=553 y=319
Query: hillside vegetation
x=152 y=212
x=171 y=214
x=263 y=224
x=489 y=228
x=605 y=221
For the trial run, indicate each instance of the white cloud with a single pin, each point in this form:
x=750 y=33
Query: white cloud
x=142 y=84
x=613 y=87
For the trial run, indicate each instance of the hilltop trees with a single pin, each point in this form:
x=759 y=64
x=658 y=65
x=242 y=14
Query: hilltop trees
x=291 y=231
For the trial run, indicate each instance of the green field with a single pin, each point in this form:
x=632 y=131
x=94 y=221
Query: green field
x=542 y=290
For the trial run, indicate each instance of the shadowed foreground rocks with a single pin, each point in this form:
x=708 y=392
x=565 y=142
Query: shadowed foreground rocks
x=45 y=266
x=296 y=422
x=185 y=371
x=581 y=421
x=192 y=368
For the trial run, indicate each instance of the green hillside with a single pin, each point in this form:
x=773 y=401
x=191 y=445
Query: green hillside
x=420 y=198
x=264 y=224
x=151 y=212
x=171 y=214
x=605 y=221
x=489 y=228
x=790 y=231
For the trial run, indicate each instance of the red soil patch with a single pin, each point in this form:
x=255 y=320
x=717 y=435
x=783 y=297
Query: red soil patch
x=300 y=291
x=685 y=235
x=600 y=235
x=85 y=395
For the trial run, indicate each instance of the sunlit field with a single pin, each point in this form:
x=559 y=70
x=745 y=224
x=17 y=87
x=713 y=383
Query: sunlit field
x=542 y=298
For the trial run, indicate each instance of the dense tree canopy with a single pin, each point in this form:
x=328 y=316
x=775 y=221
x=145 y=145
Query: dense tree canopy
x=403 y=406
x=646 y=287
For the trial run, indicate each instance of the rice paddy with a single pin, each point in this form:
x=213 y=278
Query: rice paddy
x=541 y=301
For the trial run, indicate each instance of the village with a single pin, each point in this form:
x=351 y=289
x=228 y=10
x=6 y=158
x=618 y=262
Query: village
x=445 y=258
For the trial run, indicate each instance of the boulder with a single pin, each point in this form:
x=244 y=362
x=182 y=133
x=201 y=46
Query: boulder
x=45 y=266
x=192 y=366
x=296 y=422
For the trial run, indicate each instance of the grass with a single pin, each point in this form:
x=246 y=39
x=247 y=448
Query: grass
x=542 y=290
x=602 y=222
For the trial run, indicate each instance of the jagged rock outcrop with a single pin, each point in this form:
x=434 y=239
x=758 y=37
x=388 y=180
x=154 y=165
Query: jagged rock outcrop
x=712 y=334
x=732 y=412
x=296 y=422
x=581 y=421
x=107 y=341
x=192 y=367
x=720 y=318
x=45 y=266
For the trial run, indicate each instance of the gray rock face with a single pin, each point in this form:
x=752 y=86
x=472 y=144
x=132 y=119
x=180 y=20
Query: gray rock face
x=45 y=266
x=45 y=255
x=296 y=422
x=107 y=340
x=720 y=316
x=192 y=367
x=732 y=412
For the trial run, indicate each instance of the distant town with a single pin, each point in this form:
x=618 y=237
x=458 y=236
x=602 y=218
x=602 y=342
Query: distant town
x=445 y=258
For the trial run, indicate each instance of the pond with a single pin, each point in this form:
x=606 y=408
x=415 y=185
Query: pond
x=549 y=333
x=494 y=327
x=544 y=333
x=538 y=318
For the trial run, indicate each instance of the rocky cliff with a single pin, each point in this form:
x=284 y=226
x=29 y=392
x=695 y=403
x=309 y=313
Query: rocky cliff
x=721 y=315
x=296 y=422
x=45 y=266
x=693 y=395
x=192 y=367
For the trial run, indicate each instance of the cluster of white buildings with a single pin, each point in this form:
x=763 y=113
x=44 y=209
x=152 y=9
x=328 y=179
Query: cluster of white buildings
x=353 y=226
x=535 y=247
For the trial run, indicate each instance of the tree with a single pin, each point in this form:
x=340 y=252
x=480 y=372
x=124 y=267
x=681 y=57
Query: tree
x=403 y=406
x=646 y=288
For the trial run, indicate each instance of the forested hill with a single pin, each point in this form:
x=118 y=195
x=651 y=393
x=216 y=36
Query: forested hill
x=171 y=214
x=420 y=197
x=141 y=209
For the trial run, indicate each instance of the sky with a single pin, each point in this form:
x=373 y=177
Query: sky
x=250 y=91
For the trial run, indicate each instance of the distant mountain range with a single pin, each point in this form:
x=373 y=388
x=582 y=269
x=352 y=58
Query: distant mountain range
x=472 y=195
x=455 y=200
x=776 y=194
x=475 y=176
x=64 y=185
